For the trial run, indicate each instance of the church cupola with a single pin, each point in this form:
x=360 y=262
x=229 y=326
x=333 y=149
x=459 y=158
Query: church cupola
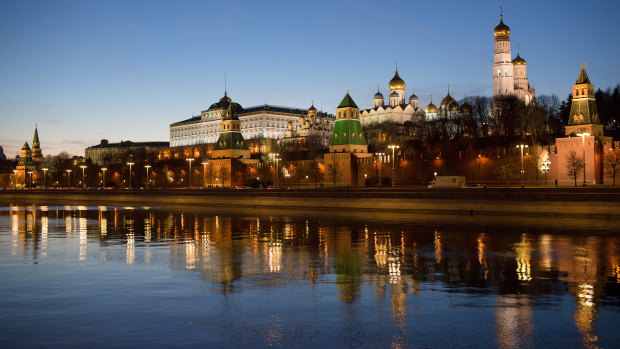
x=377 y=99
x=413 y=100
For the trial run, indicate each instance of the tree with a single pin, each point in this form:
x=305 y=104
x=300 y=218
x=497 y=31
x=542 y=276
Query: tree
x=507 y=169
x=314 y=168
x=612 y=164
x=225 y=174
x=574 y=165
x=334 y=171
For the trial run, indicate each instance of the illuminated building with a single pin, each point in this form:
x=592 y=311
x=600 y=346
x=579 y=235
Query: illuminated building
x=509 y=75
x=106 y=153
x=398 y=110
x=29 y=162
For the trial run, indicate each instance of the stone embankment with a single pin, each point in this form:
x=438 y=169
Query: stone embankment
x=540 y=202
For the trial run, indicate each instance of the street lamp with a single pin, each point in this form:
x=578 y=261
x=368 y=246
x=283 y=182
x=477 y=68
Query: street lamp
x=274 y=157
x=68 y=178
x=380 y=155
x=204 y=173
x=147 y=175
x=479 y=159
x=545 y=169
x=583 y=145
x=103 y=169
x=44 y=176
x=393 y=147
x=130 y=164
x=83 y=167
x=30 y=183
x=189 y=182
x=521 y=146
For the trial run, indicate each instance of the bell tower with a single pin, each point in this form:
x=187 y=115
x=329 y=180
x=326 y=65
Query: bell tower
x=503 y=80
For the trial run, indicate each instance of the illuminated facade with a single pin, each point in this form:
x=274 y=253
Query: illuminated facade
x=397 y=110
x=26 y=171
x=509 y=75
x=265 y=121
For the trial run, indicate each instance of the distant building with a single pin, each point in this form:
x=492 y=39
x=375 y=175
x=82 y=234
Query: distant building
x=27 y=170
x=397 y=110
x=106 y=153
x=310 y=125
x=265 y=121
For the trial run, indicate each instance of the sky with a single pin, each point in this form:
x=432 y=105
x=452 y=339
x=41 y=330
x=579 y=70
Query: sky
x=125 y=70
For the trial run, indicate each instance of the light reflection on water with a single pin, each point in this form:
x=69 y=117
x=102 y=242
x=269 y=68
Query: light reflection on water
x=282 y=281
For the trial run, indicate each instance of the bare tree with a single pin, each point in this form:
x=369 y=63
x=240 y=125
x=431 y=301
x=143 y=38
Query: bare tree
x=574 y=165
x=612 y=164
x=314 y=168
x=225 y=174
x=334 y=171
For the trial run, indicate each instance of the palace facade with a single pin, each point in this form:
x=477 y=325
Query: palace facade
x=266 y=121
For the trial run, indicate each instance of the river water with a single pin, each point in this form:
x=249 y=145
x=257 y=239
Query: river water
x=75 y=276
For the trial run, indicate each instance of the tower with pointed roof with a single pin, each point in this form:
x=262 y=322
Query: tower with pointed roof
x=348 y=150
x=583 y=115
x=584 y=136
x=24 y=165
x=37 y=154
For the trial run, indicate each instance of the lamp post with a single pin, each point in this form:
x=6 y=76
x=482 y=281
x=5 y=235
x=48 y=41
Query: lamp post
x=148 y=167
x=130 y=164
x=583 y=145
x=545 y=169
x=189 y=174
x=479 y=159
x=521 y=146
x=30 y=182
x=83 y=167
x=393 y=147
x=68 y=178
x=204 y=173
x=274 y=157
x=380 y=155
x=103 y=169
x=44 y=176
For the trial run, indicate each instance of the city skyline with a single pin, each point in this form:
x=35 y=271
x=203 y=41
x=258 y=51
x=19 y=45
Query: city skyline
x=120 y=71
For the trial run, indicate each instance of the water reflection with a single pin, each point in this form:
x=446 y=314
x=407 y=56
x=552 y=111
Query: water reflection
x=391 y=263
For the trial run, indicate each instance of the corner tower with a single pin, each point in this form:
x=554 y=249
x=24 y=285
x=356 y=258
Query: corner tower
x=37 y=154
x=503 y=82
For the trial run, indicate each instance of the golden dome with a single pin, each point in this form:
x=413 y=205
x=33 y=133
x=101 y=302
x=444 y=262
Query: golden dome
x=518 y=60
x=452 y=106
x=447 y=99
x=397 y=83
x=431 y=108
x=312 y=110
x=501 y=30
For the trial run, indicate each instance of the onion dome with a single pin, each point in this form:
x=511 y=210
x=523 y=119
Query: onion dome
x=397 y=83
x=413 y=97
x=518 y=60
x=394 y=94
x=465 y=108
x=447 y=99
x=431 y=108
x=378 y=95
x=312 y=110
x=502 y=30
x=452 y=106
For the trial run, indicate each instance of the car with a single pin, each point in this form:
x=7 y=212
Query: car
x=477 y=185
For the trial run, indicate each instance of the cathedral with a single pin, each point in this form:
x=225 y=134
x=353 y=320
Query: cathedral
x=397 y=110
x=509 y=75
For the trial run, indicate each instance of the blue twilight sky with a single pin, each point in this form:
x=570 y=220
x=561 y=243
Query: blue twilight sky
x=125 y=70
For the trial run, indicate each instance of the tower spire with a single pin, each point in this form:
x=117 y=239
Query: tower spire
x=225 y=85
x=501 y=12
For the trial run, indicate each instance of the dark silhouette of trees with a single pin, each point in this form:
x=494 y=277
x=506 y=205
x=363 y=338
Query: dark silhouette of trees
x=612 y=164
x=574 y=165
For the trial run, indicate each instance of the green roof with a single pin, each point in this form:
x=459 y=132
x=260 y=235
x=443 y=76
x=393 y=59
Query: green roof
x=231 y=112
x=347 y=102
x=231 y=140
x=348 y=131
x=35 y=139
x=585 y=107
x=583 y=77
